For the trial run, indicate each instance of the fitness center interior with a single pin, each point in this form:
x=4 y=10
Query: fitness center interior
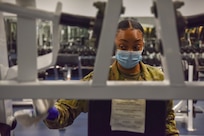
x=60 y=41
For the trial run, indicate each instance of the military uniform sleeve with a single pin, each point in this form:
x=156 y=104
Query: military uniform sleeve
x=171 y=129
x=68 y=110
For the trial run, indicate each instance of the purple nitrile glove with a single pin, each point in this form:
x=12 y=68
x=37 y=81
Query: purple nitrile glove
x=52 y=113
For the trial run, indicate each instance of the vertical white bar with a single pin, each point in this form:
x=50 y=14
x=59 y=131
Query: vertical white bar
x=69 y=73
x=6 y=109
x=40 y=34
x=190 y=115
x=106 y=42
x=3 y=44
x=167 y=31
x=26 y=46
x=190 y=126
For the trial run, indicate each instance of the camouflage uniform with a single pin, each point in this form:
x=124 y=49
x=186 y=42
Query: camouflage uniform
x=70 y=109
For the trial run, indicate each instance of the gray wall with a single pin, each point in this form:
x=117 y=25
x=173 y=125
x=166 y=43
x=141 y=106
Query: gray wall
x=133 y=7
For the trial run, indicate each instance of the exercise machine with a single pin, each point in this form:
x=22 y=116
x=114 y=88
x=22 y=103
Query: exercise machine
x=173 y=87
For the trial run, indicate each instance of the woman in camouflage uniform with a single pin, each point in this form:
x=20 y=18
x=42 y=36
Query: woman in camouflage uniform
x=127 y=66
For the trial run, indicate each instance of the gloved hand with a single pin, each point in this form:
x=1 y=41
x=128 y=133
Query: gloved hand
x=53 y=113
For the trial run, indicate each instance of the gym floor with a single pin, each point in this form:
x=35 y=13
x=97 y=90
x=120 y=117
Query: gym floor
x=79 y=127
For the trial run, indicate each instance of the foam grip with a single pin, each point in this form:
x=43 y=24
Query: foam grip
x=53 y=113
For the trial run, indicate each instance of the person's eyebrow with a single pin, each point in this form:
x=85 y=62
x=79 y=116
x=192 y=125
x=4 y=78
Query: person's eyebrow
x=123 y=40
x=126 y=41
x=137 y=40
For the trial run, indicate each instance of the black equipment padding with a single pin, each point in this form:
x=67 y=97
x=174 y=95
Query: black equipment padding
x=67 y=59
x=77 y=20
x=195 y=20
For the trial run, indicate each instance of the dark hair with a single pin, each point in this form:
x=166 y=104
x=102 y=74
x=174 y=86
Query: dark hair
x=125 y=24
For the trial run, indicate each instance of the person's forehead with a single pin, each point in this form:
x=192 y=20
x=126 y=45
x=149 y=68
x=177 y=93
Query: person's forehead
x=130 y=34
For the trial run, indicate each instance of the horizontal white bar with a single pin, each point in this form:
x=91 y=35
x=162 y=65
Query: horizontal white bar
x=114 y=89
x=26 y=12
x=22 y=103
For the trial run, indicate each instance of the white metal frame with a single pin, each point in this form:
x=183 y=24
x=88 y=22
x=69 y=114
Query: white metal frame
x=173 y=87
x=6 y=109
x=188 y=104
x=28 y=62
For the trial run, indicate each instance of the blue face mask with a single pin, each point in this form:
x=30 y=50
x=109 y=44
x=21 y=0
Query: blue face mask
x=128 y=59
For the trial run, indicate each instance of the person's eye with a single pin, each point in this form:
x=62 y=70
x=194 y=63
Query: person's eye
x=136 y=48
x=123 y=47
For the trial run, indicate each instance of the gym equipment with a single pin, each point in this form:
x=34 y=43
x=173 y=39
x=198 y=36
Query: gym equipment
x=173 y=86
x=88 y=22
x=182 y=24
x=67 y=62
x=191 y=110
x=26 y=21
x=186 y=110
x=7 y=120
x=39 y=112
